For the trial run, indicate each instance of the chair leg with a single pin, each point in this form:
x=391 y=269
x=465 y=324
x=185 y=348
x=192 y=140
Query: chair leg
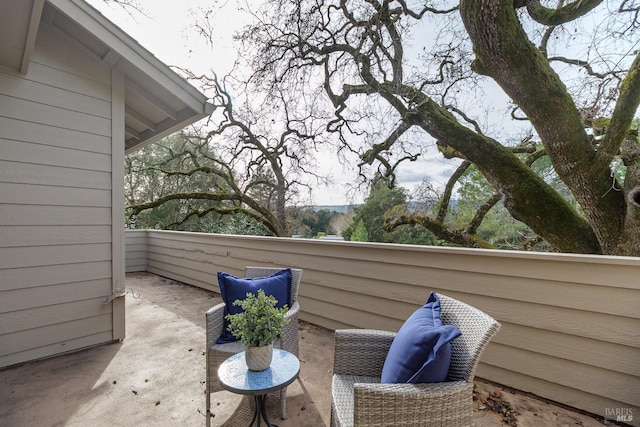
x=208 y=412
x=207 y=390
x=283 y=403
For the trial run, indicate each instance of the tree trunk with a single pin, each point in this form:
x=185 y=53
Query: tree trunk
x=526 y=195
x=629 y=243
x=504 y=52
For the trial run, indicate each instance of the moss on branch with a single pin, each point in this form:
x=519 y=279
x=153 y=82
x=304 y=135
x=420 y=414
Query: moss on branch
x=567 y=13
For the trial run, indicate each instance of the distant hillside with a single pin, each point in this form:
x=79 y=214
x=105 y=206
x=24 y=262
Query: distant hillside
x=412 y=205
x=333 y=208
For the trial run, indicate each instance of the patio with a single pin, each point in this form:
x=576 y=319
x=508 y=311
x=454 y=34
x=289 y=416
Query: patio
x=155 y=377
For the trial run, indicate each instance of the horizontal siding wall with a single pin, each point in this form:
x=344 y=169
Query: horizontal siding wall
x=55 y=202
x=136 y=251
x=570 y=323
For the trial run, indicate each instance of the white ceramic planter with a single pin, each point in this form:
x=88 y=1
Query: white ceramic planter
x=258 y=358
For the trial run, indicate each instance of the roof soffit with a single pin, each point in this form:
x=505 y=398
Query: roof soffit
x=18 y=31
x=157 y=100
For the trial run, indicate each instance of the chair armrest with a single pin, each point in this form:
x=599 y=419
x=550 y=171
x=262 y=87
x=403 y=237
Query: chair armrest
x=289 y=339
x=361 y=351
x=214 y=321
x=413 y=404
x=292 y=313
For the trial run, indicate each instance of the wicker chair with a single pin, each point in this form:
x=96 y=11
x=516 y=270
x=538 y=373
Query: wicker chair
x=358 y=398
x=218 y=353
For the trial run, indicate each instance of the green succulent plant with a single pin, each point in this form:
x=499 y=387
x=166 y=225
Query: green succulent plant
x=260 y=323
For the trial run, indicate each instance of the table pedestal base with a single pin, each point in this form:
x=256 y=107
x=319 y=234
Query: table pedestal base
x=260 y=411
x=235 y=376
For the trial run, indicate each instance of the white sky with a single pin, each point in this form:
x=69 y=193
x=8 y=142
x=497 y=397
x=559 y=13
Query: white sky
x=167 y=32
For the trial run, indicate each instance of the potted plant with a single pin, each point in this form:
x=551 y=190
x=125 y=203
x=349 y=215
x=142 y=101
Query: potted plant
x=257 y=327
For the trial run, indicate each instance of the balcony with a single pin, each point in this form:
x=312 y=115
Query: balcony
x=570 y=331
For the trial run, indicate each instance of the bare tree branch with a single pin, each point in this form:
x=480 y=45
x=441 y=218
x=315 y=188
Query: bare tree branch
x=564 y=14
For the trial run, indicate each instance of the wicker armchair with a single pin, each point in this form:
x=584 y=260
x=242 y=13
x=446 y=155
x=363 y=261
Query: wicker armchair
x=218 y=353
x=358 y=398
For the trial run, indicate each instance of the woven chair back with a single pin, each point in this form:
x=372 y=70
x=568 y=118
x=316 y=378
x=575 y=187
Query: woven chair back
x=477 y=330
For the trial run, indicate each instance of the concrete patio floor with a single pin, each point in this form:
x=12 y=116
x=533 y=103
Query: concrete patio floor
x=155 y=377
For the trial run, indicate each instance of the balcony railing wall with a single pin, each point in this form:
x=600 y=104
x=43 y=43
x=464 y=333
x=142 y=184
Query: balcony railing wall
x=570 y=323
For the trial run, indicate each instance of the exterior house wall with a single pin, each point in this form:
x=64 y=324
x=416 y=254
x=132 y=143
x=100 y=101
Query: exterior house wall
x=570 y=323
x=56 y=200
x=136 y=251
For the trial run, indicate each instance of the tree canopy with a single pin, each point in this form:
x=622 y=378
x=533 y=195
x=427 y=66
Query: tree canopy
x=180 y=183
x=183 y=183
x=368 y=221
x=402 y=75
x=248 y=160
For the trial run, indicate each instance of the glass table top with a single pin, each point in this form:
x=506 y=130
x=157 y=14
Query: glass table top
x=236 y=377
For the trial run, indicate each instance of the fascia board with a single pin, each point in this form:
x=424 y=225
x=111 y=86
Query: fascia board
x=32 y=33
x=117 y=40
x=149 y=137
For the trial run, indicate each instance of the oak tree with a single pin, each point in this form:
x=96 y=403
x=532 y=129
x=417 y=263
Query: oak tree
x=245 y=163
x=400 y=74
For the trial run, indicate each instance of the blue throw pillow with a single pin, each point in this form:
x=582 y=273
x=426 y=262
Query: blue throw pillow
x=421 y=351
x=233 y=288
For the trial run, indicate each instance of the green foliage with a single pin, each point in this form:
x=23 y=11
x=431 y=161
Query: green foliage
x=309 y=223
x=260 y=323
x=360 y=234
x=183 y=163
x=323 y=222
x=367 y=224
x=498 y=227
x=381 y=198
x=237 y=223
x=146 y=180
x=415 y=235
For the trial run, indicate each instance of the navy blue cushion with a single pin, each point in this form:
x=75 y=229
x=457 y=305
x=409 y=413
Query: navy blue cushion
x=421 y=351
x=233 y=288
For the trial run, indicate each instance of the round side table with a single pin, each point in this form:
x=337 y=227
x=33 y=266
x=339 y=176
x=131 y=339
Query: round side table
x=234 y=376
